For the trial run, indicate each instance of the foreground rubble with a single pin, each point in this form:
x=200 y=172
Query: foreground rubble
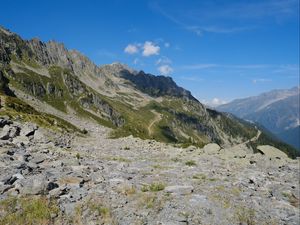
x=58 y=178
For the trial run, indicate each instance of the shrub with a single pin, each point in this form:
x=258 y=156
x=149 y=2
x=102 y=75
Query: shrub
x=191 y=163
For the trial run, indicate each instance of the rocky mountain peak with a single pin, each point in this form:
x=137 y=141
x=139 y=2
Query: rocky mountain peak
x=5 y=31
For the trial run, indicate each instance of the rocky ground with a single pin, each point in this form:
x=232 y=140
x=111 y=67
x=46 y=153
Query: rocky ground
x=58 y=178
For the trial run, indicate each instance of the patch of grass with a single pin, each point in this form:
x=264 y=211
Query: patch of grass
x=120 y=159
x=95 y=208
x=212 y=179
x=245 y=215
x=292 y=199
x=127 y=190
x=199 y=176
x=77 y=156
x=27 y=210
x=154 y=187
x=191 y=163
x=19 y=110
x=151 y=201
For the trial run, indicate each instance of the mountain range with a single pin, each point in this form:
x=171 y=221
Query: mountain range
x=277 y=111
x=88 y=144
x=46 y=79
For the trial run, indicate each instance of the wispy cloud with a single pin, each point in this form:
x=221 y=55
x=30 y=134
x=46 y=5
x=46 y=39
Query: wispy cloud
x=273 y=67
x=199 y=66
x=260 y=80
x=208 y=17
x=165 y=69
x=131 y=49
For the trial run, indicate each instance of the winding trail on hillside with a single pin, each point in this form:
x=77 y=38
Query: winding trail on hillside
x=255 y=138
x=156 y=119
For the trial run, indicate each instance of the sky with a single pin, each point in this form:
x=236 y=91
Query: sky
x=219 y=50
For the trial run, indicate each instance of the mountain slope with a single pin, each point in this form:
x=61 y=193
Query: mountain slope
x=68 y=83
x=277 y=110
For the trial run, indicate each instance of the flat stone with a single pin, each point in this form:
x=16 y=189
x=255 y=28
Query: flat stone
x=38 y=158
x=178 y=189
x=28 y=129
x=211 y=148
x=271 y=152
x=34 y=185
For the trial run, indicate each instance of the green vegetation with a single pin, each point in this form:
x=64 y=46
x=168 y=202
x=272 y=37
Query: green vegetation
x=77 y=156
x=95 y=207
x=191 y=163
x=182 y=121
x=54 y=91
x=199 y=176
x=245 y=216
x=18 y=110
x=154 y=187
x=27 y=210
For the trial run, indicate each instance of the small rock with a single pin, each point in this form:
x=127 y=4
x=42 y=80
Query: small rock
x=38 y=158
x=181 y=190
x=51 y=186
x=28 y=129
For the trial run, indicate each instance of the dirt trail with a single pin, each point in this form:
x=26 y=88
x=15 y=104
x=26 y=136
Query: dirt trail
x=155 y=120
x=255 y=138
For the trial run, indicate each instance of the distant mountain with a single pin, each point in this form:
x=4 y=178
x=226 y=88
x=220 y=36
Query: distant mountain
x=65 y=83
x=277 y=110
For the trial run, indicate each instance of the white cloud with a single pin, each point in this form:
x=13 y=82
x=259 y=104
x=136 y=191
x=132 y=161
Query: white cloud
x=149 y=48
x=163 y=60
x=131 y=49
x=165 y=69
x=214 y=102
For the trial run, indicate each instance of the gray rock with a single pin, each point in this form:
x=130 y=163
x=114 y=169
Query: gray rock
x=38 y=158
x=35 y=185
x=178 y=189
x=28 y=129
x=4 y=121
x=9 y=132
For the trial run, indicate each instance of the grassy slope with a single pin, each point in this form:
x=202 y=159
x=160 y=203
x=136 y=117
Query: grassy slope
x=18 y=110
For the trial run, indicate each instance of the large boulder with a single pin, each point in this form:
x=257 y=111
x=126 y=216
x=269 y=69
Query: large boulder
x=211 y=148
x=271 y=152
x=9 y=132
x=28 y=129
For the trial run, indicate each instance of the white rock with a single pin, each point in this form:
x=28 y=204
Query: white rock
x=178 y=189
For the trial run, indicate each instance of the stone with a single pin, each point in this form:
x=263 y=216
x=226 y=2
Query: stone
x=28 y=129
x=9 y=132
x=4 y=121
x=51 y=186
x=35 y=185
x=271 y=152
x=180 y=190
x=38 y=158
x=211 y=148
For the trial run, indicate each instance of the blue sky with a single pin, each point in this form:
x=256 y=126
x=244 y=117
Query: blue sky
x=220 y=50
